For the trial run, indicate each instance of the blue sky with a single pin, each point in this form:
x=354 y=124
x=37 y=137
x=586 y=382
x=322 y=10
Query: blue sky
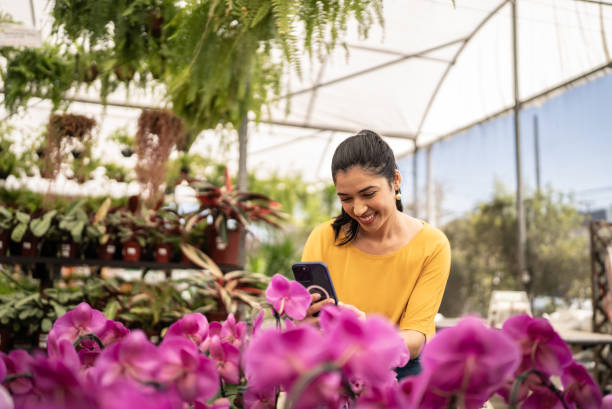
x=575 y=130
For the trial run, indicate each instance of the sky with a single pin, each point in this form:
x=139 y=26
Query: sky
x=575 y=139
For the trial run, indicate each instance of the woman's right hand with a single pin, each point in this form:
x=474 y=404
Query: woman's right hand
x=316 y=304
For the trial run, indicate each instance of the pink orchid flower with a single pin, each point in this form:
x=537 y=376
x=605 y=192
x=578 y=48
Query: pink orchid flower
x=227 y=359
x=541 y=347
x=579 y=388
x=193 y=327
x=470 y=360
x=288 y=297
x=193 y=375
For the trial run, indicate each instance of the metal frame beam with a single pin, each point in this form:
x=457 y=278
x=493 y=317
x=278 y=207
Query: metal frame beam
x=452 y=63
x=508 y=109
x=370 y=69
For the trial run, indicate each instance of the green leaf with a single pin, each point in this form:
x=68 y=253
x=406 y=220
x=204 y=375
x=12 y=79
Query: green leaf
x=111 y=309
x=46 y=325
x=41 y=225
x=18 y=232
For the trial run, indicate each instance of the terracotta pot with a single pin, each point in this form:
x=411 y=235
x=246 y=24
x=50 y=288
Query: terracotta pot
x=163 y=253
x=30 y=246
x=69 y=249
x=131 y=251
x=49 y=248
x=4 y=243
x=224 y=254
x=107 y=251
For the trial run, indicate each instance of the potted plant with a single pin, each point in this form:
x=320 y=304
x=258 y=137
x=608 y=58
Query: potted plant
x=28 y=230
x=159 y=131
x=64 y=132
x=109 y=246
x=6 y=223
x=166 y=234
x=125 y=140
x=231 y=211
x=72 y=226
x=8 y=159
x=133 y=236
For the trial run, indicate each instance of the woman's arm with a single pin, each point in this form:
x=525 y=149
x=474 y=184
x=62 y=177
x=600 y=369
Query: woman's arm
x=415 y=341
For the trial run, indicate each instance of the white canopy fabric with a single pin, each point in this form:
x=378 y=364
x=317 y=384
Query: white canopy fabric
x=434 y=70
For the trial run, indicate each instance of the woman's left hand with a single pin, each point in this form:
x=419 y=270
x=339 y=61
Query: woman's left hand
x=360 y=314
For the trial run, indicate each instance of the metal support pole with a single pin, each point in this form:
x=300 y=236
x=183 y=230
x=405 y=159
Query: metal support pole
x=430 y=199
x=243 y=177
x=522 y=273
x=415 y=184
x=536 y=139
x=32 y=14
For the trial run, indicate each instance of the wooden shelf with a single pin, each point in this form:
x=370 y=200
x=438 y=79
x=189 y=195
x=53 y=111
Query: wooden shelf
x=151 y=265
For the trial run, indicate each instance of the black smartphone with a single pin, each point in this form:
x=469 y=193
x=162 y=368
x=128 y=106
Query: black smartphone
x=315 y=277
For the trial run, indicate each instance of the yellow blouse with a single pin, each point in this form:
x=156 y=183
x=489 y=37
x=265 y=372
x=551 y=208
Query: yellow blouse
x=406 y=286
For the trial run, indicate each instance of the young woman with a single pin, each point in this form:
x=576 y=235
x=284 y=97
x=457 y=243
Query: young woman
x=381 y=260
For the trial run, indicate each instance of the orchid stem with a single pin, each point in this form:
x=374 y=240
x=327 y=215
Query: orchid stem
x=305 y=380
x=88 y=336
x=545 y=381
x=222 y=388
x=10 y=378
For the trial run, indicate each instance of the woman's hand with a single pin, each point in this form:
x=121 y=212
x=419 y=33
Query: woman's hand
x=316 y=304
x=360 y=314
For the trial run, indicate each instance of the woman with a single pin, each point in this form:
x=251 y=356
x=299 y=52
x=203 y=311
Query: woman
x=380 y=260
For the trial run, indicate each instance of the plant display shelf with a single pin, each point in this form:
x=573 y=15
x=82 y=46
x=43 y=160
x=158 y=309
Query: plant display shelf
x=57 y=262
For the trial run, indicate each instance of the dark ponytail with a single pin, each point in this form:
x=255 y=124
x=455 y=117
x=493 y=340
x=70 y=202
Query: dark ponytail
x=370 y=152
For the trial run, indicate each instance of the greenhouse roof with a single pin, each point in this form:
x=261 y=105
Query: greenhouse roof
x=433 y=71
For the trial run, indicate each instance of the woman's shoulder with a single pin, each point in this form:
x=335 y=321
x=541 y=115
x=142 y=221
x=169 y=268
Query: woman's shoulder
x=434 y=239
x=323 y=231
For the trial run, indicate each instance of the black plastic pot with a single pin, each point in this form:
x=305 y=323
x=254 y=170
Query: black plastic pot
x=127 y=152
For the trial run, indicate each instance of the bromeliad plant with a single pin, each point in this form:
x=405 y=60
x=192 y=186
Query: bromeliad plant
x=225 y=203
x=348 y=361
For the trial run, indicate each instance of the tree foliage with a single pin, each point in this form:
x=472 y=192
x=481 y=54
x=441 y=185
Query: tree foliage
x=216 y=59
x=484 y=244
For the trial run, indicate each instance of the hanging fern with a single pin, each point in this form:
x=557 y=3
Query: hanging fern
x=218 y=59
x=36 y=72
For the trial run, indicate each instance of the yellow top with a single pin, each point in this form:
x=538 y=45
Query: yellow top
x=406 y=286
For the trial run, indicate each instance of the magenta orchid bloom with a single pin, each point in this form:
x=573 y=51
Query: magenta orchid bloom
x=470 y=360
x=80 y=321
x=228 y=331
x=133 y=358
x=2 y=369
x=227 y=359
x=193 y=327
x=366 y=350
x=221 y=403
x=579 y=388
x=113 y=331
x=542 y=398
x=18 y=361
x=606 y=402
x=123 y=395
x=260 y=399
x=276 y=358
x=257 y=322
x=193 y=375
x=6 y=401
x=288 y=297
x=541 y=347
x=57 y=382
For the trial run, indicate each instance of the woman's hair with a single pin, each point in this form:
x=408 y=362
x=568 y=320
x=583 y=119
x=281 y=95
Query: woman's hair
x=368 y=151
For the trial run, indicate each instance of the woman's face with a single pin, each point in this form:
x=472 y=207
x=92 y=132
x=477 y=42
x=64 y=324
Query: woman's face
x=367 y=197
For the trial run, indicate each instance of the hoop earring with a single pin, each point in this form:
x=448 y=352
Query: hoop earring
x=398 y=196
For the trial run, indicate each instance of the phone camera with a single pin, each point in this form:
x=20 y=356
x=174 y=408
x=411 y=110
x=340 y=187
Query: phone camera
x=302 y=274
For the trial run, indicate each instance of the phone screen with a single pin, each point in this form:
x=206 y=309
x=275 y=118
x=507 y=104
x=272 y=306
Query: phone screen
x=315 y=277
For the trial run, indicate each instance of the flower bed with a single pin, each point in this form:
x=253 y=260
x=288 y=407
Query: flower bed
x=93 y=362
